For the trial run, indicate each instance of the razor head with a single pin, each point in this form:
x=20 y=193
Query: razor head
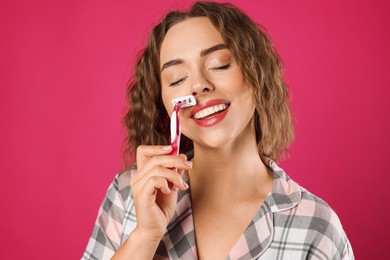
x=186 y=101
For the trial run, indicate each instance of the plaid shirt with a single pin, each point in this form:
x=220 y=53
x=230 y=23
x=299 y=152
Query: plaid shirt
x=291 y=224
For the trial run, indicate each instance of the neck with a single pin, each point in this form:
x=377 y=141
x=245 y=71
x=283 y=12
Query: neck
x=235 y=170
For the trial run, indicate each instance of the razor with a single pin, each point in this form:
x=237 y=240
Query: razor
x=178 y=103
x=181 y=102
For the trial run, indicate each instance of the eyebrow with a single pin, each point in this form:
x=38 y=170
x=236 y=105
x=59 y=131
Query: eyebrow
x=212 y=49
x=203 y=53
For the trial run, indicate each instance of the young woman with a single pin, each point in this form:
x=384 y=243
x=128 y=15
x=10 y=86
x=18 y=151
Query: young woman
x=230 y=199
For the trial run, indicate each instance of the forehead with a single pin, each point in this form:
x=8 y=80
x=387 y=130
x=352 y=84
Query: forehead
x=189 y=38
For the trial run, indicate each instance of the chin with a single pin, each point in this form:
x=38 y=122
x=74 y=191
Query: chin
x=213 y=142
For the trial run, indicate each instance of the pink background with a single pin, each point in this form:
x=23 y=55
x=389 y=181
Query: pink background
x=63 y=69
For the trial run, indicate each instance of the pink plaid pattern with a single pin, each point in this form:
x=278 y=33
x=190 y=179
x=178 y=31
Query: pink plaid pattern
x=291 y=224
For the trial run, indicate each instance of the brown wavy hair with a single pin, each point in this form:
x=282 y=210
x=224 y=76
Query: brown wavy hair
x=147 y=121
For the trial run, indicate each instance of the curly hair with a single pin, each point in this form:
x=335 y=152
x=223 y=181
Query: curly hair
x=147 y=121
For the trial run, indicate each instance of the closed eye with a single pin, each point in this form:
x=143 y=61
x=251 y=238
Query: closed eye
x=224 y=67
x=178 y=82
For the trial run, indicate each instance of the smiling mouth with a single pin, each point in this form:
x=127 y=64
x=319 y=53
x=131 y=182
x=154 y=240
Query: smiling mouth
x=210 y=111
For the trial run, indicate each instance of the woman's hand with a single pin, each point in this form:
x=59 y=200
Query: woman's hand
x=155 y=202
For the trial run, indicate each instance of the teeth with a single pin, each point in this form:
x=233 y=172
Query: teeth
x=210 y=110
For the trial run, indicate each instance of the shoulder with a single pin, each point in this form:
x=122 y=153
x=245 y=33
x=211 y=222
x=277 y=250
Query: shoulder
x=119 y=191
x=113 y=223
x=321 y=225
x=306 y=210
x=323 y=218
x=303 y=209
x=121 y=182
x=303 y=220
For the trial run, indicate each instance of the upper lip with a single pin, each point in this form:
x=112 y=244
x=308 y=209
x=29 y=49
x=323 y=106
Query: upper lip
x=207 y=104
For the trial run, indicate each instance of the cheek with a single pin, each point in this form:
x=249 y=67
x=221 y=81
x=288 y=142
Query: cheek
x=242 y=91
x=236 y=83
x=246 y=98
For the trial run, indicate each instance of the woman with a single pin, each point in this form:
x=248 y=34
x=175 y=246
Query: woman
x=229 y=199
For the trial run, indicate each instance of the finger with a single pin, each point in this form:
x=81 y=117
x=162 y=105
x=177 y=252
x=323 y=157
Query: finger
x=152 y=185
x=164 y=163
x=184 y=157
x=167 y=161
x=145 y=152
x=169 y=175
x=173 y=178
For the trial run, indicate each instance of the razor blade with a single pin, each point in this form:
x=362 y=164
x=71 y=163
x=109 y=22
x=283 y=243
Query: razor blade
x=186 y=101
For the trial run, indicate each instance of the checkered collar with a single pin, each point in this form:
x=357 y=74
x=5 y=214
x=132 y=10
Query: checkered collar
x=286 y=193
x=180 y=240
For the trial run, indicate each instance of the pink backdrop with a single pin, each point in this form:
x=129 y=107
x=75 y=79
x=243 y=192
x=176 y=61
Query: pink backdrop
x=63 y=69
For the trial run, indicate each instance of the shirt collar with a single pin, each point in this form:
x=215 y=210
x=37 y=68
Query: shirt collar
x=286 y=193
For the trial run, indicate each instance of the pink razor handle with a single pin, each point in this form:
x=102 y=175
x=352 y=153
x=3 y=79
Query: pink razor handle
x=176 y=130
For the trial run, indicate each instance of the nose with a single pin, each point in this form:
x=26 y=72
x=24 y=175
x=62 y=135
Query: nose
x=201 y=86
x=200 y=89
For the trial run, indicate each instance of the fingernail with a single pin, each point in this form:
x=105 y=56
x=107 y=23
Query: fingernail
x=189 y=163
x=185 y=184
x=166 y=147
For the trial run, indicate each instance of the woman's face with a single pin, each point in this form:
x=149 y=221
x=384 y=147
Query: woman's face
x=195 y=61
